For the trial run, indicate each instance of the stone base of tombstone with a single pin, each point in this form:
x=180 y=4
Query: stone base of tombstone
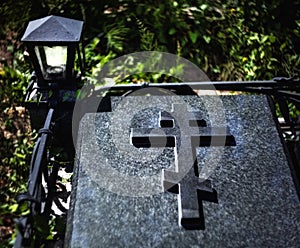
x=119 y=196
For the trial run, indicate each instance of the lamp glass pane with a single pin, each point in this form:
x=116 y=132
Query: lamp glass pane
x=52 y=61
x=56 y=55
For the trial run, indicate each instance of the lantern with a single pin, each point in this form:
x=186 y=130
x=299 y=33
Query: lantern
x=53 y=45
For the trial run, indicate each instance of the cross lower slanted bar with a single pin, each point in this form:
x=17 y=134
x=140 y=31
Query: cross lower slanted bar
x=185 y=131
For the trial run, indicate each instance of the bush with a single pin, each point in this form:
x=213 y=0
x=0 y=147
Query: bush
x=16 y=146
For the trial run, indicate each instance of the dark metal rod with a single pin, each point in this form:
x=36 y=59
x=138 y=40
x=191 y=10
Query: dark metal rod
x=222 y=85
x=34 y=153
x=38 y=161
x=290 y=94
x=35 y=173
x=282 y=84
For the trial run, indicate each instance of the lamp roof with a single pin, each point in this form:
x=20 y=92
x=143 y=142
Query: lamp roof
x=53 y=29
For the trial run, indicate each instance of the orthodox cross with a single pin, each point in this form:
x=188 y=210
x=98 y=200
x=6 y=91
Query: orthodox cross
x=185 y=181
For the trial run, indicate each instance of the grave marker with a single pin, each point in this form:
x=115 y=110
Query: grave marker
x=258 y=205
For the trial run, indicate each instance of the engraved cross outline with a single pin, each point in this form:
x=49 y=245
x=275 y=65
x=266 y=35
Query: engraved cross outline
x=185 y=181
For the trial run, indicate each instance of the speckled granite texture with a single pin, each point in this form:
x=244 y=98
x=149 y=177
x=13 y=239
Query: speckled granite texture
x=258 y=204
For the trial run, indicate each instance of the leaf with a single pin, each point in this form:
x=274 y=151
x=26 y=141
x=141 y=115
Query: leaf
x=19 y=155
x=172 y=31
x=13 y=208
x=272 y=38
x=193 y=36
x=264 y=38
x=204 y=6
x=283 y=46
x=217 y=69
x=206 y=38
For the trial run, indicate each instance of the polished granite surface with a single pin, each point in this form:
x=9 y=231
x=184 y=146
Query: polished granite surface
x=118 y=201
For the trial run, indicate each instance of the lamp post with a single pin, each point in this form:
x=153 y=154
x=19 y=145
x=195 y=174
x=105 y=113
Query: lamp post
x=53 y=44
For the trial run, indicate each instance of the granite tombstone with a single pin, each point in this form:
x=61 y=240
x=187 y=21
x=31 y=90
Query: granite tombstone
x=174 y=174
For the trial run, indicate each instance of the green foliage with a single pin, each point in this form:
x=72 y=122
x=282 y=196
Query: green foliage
x=16 y=141
x=229 y=41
